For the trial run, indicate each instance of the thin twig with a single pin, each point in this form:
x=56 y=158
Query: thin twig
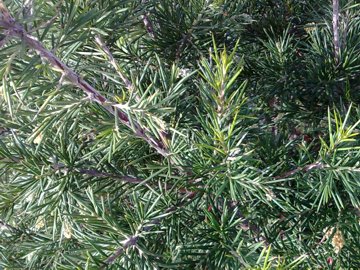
x=182 y=43
x=59 y=167
x=148 y=24
x=4 y=13
x=246 y=224
x=8 y=226
x=3 y=40
x=116 y=66
x=28 y=12
x=315 y=165
x=95 y=173
x=335 y=22
x=132 y=240
x=51 y=20
x=15 y=29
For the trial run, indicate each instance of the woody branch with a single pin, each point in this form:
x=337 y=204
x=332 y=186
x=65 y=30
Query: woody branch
x=12 y=29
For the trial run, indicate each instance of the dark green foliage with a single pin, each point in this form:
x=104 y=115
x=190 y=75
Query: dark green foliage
x=258 y=120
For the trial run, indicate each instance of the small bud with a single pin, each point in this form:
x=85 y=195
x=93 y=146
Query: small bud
x=310 y=27
x=38 y=138
x=67 y=230
x=40 y=223
x=338 y=241
x=270 y=195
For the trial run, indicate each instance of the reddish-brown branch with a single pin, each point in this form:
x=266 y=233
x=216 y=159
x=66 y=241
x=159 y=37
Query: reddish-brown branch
x=148 y=24
x=131 y=241
x=315 y=165
x=14 y=29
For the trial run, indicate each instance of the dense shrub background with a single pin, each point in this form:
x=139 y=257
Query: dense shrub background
x=249 y=156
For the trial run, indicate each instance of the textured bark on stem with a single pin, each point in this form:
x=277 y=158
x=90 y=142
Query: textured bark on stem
x=315 y=165
x=148 y=24
x=131 y=241
x=14 y=29
x=335 y=22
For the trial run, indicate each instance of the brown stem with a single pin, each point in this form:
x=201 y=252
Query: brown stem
x=131 y=241
x=335 y=22
x=113 y=62
x=148 y=24
x=315 y=165
x=182 y=44
x=8 y=226
x=14 y=29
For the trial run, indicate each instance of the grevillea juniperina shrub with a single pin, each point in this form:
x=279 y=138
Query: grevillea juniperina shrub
x=198 y=134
